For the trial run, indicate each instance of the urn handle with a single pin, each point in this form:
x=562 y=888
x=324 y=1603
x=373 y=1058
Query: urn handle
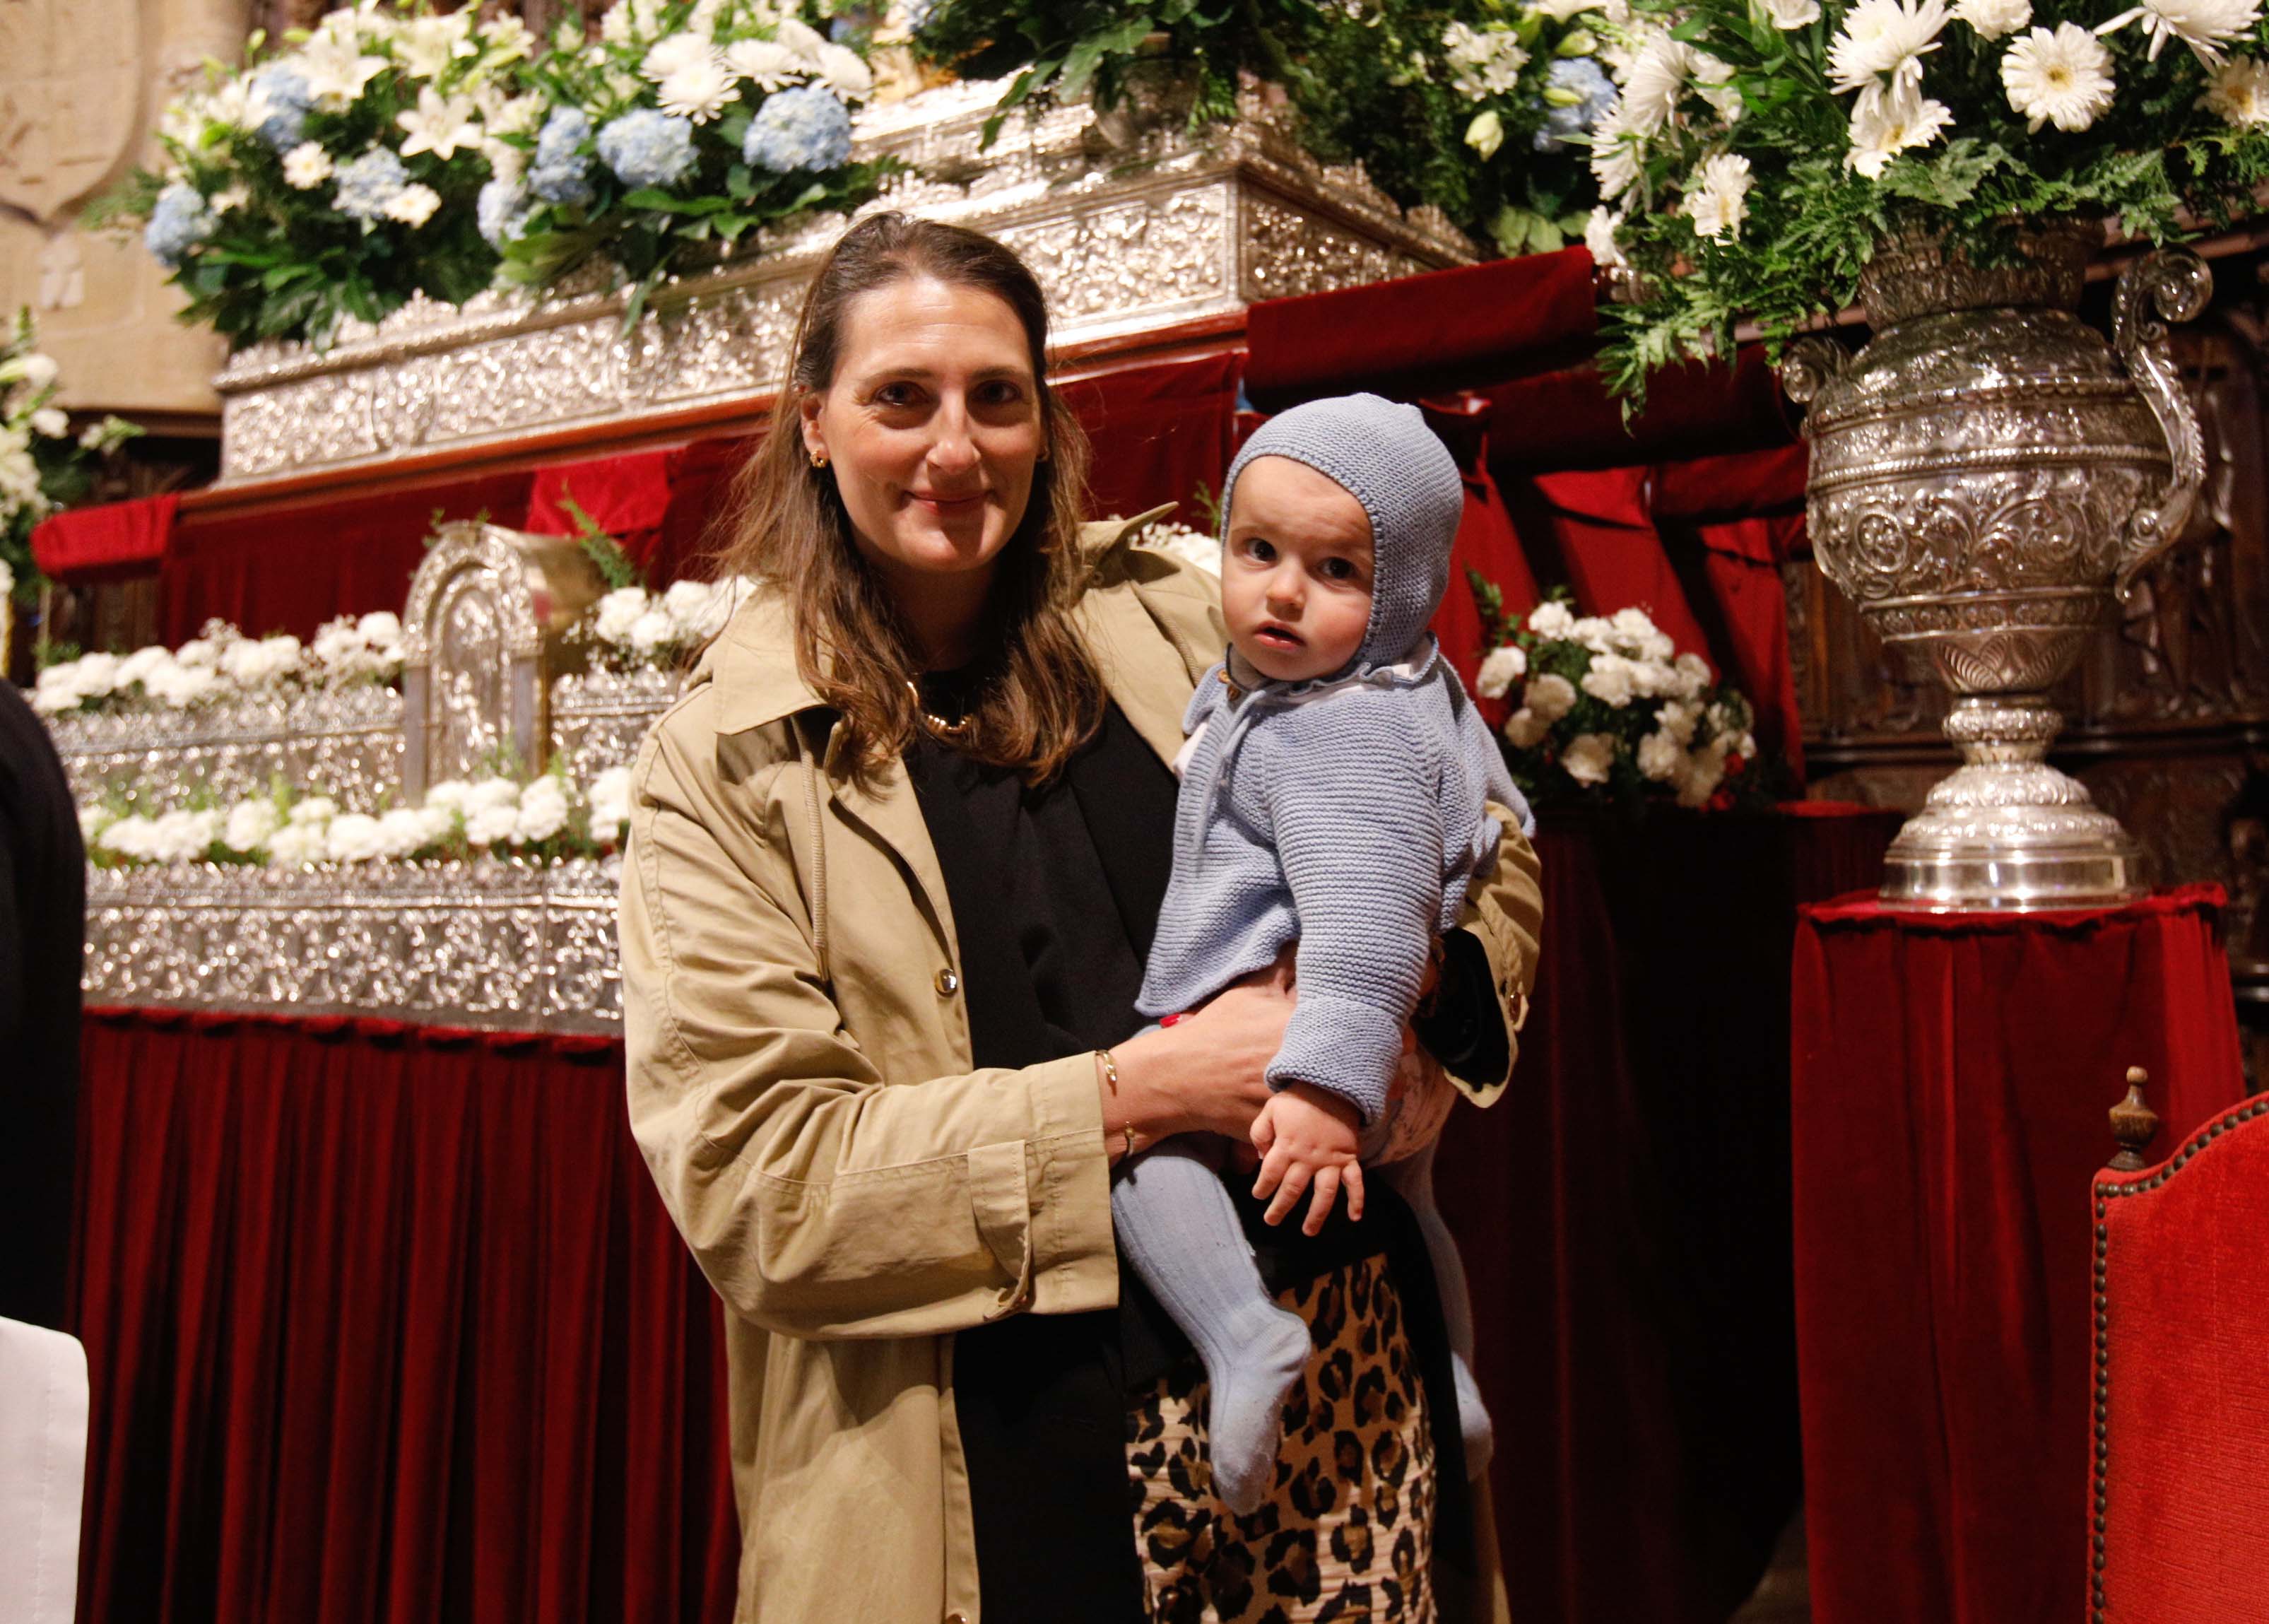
x=2170 y=284
x=1808 y=364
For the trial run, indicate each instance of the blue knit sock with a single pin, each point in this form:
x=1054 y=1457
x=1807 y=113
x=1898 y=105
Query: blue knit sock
x=1177 y=1225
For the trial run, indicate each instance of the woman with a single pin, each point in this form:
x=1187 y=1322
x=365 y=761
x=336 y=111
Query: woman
x=894 y=863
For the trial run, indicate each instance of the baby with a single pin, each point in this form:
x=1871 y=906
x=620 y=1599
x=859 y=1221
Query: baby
x=1333 y=791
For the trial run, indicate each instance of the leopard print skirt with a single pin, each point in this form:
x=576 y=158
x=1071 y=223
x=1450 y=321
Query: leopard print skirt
x=1348 y=1533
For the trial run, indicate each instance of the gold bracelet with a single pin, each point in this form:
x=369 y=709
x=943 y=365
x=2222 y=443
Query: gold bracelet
x=1111 y=1076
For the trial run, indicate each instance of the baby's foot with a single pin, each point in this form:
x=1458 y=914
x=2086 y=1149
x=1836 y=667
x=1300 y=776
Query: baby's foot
x=1244 y=1419
x=1473 y=1418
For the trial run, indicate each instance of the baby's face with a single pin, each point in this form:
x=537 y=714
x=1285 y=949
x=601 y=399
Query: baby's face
x=1295 y=571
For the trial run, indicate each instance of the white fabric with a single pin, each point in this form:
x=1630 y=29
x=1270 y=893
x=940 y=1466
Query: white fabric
x=43 y=1410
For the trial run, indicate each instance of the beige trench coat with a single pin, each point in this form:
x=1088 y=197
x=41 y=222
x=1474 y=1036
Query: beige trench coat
x=801 y=1084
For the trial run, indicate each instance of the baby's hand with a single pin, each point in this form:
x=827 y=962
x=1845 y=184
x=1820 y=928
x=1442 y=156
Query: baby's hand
x=1305 y=1133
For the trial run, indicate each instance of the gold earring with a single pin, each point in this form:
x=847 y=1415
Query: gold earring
x=819 y=459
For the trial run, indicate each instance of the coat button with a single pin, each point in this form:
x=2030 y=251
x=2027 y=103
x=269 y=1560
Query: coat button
x=947 y=985
x=957 y=1618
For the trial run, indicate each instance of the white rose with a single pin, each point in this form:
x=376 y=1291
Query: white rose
x=51 y=422
x=129 y=836
x=1703 y=771
x=1745 y=745
x=403 y=830
x=1693 y=675
x=1503 y=667
x=1609 y=680
x=618 y=612
x=489 y=795
x=95 y=675
x=181 y=685
x=543 y=810
x=488 y=826
x=1551 y=697
x=315 y=809
x=249 y=824
x=1551 y=619
x=1993 y=19
x=1660 y=756
x=353 y=837
x=337 y=642
x=92 y=821
x=650 y=630
x=1678 y=720
x=379 y=627
x=185 y=837
x=199 y=654
x=610 y=802
x=1594 y=632
x=1589 y=757
x=450 y=795
x=297 y=845
x=137 y=666
x=1526 y=728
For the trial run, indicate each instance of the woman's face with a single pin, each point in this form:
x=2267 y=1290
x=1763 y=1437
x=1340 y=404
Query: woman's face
x=931 y=428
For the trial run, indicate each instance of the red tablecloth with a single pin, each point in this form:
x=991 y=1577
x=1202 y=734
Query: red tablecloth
x=1951 y=1078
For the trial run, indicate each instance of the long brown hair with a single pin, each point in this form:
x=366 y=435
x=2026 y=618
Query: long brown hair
x=1040 y=696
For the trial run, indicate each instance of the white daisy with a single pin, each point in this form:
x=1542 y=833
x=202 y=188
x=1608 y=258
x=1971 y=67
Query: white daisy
x=1886 y=122
x=699 y=91
x=1717 y=197
x=2238 y=92
x=1600 y=238
x=413 y=205
x=678 y=52
x=1994 y=20
x=1885 y=39
x=1658 y=78
x=2062 y=79
x=2202 y=25
x=765 y=63
x=307 y=165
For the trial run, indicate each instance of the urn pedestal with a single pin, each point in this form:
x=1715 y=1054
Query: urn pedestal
x=1986 y=473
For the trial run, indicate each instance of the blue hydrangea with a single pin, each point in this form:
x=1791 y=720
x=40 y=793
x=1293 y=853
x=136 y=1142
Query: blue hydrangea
x=180 y=222
x=369 y=183
x=289 y=98
x=1577 y=75
x=647 y=147
x=805 y=128
x=561 y=173
x=502 y=211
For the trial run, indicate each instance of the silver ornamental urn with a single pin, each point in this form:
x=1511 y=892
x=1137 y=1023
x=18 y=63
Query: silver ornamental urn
x=1986 y=473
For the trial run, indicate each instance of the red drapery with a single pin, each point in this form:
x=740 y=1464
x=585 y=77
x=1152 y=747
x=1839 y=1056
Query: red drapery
x=108 y=540
x=386 y=1325
x=1951 y=1079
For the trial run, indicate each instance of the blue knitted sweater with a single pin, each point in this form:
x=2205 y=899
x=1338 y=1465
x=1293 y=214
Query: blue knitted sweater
x=1346 y=814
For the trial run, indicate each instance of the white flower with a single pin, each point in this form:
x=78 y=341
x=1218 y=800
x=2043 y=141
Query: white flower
x=1503 y=667
x=1887 y=122
x=2238 y=92
x=1885 y=39
x=251 y=663
x=1609 y=680
x=842 y=72
x=1693 y=675
x=488 y=825
x=449 y=795
x=1486 y=133
x=413 y=205
x=697 y=610
x=1561 y=11
x=297 y=845
x=674 y=55
x=314 y=809
x=128 y=836
x=426 y=45
x=1792 y=13
x=1589 y=757
x=1614 y=155
x=307 y=165
x=1600 y=238
x=1551 y=618
x=380 y=629
x=92 y=820
x=1678 y=720
x=51 y=422
x=403 y=830
x=335 y=70
x=2202 y=25
x=201 y=652
x=140 y=665
x=2062 y=79
x=1551 y=697
x=1526 y=728
x=764 y=64
x=700 y=90
x=543 y=810
x=1994 y=20
x=1483 y=61
x=650 y=630
x=440 y=124
x=801 y=38
x=491 y=794
x=1594 y=632
x=249 y=824
x=95 y=675
x=1703 y=771
x=618 y=612
x=610 y=802
x=353 y=837
x=1660 y=757
x=1658 y=78
x=181 y=685
x=36 y=370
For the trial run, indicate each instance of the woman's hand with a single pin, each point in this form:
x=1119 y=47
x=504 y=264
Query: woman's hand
x=1204 y=1073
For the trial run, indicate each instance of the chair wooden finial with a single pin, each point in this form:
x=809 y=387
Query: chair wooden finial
x=2134 y=1124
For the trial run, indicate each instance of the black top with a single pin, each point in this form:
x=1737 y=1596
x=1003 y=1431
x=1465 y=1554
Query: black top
x=1055 y=891
x=42 y=934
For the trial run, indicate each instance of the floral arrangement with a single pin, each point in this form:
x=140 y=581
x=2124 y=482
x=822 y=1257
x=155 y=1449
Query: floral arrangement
x=547 y=818
x=632 y=628
x=393 y=149
x=221 y=662
x=683 y=127
x=43 y=466
x=1604 y=708
x=1191 y=546
x=1762 y=148
x=1462 y=105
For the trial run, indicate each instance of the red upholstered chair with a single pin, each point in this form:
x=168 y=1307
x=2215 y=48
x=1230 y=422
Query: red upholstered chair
x=2180 y=1521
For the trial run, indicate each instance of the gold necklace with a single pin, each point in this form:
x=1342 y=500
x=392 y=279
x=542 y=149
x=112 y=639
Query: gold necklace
x=954 y=732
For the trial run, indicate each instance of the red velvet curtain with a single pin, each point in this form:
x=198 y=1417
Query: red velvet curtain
x=1623 y=1214
x=1160 y=433
x=1951 y=1075
x=386 y=1325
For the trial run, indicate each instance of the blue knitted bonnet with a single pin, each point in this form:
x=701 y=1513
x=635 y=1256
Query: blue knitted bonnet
x=1385 y=457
